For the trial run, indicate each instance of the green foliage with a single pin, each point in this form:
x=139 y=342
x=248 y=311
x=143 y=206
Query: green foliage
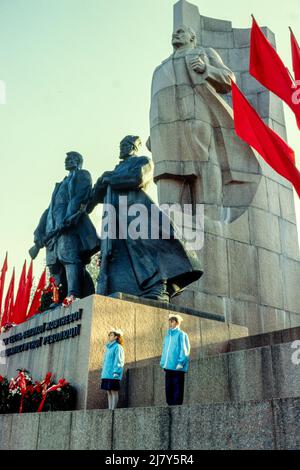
x=63 y=400
x=93 y=268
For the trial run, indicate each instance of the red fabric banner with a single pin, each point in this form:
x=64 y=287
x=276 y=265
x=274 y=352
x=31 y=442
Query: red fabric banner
x=250 y=127
x=20 y=295
x=2 y=281
x=35 y=304
x=295 y=56
x=9 y=302
x=267 y=67
x=22 y=316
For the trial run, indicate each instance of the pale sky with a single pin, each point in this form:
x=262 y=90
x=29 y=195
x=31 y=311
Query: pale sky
x=78 y=76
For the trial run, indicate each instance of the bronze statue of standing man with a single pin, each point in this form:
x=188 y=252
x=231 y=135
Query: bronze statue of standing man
x=133 y=261
x=67 y=233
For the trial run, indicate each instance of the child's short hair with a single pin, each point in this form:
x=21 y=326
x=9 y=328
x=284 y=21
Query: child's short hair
x=176 y=317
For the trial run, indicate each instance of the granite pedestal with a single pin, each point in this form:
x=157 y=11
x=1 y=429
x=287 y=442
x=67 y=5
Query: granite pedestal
x=70 y=342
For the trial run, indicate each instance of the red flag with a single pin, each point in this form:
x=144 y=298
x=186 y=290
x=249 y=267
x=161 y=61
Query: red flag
x=275 y=151
x=35 y=304
x=295 y=56
x=22 y=316
x=20 y=296
x=2 y=281
x=9 y=302
x=267 y=67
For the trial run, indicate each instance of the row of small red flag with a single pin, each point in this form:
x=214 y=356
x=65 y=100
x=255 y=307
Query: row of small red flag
x=17 y=310
x=267 y=67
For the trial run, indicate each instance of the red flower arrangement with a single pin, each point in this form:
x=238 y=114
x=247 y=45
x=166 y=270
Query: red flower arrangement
x=21 y=394
x=46 y=388
x=19 y=386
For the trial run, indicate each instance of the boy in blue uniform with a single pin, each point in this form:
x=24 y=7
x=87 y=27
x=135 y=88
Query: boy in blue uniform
x=175 y=360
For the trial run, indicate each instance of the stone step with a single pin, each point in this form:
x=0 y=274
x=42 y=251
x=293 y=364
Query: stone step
x=264 y=339
x=168 y=306
x=287 y=335
x=264 y=424
x=223 y=334
x=251 y=374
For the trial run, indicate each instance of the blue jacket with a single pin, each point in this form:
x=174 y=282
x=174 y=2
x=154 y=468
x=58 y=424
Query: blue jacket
x=176 y=351
x=113 y=364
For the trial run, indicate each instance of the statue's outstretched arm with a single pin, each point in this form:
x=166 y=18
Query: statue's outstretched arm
x=40 y=231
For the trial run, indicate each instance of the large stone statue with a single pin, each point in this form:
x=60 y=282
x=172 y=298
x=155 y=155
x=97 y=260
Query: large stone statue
x=143 y=265
x=67 y=232
x=198 y=157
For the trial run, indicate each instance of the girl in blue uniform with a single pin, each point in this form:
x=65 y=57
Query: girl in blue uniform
x=113 y=366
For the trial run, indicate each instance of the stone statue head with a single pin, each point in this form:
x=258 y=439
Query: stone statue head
x=129 y=146
x=73 y=161
x=184 y=36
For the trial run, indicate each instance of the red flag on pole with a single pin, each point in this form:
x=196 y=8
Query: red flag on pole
x=35 y=304
x=295 y=56
x=9 y=302
x=267 y=67
x=2 y=281
x=250 y=127
x=20 y=296
x=22 y=316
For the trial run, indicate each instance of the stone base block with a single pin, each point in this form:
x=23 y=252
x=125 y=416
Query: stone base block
x=254 y=425
x=70 y=342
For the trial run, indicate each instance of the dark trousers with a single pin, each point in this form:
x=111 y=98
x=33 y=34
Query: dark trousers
x=71 y=276
x=174 y=381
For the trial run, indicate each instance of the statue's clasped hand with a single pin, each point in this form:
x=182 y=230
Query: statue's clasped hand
x=198 y=65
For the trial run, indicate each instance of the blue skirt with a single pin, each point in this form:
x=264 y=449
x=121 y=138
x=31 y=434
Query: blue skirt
x=110 y=384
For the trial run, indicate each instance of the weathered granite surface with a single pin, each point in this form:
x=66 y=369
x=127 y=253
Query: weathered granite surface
x=265 y=424
x=148 y=429
x=54 y=430
x=287 y=423
x=24 y=431
x=91 y=431
x=223 y=426
x=5 y=431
